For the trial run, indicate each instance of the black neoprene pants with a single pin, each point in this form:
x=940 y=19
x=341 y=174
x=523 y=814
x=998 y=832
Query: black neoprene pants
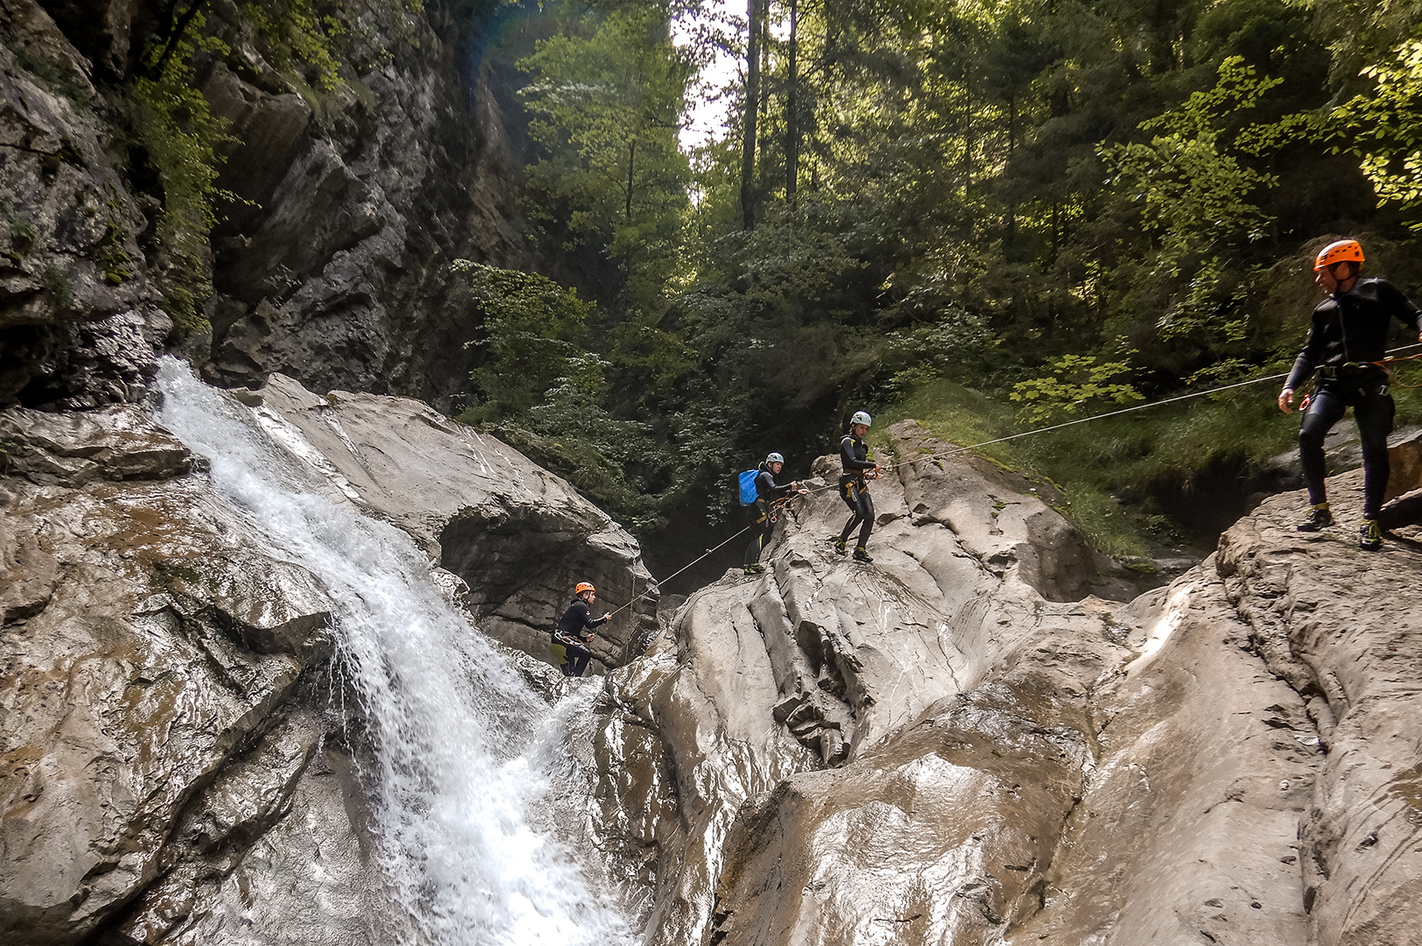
x=761 y=525
x=861 y=511
x=1373 y=413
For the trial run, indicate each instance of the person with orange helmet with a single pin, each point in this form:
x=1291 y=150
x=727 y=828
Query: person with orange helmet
x=1347 y=340
x=570 y=637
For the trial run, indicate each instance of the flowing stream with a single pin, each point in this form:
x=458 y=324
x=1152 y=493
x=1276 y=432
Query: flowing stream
x=461 y=775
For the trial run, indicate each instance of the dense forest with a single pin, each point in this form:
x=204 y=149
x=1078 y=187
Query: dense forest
x=992 y=216
x=997 y=215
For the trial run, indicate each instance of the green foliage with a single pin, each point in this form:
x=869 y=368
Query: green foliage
x=1385 y=130
x=1194 y=195
x=534 y=339
x=23 y=234
x=1191 y=191
x=58 y=285
x=10 y=450
x=113 y=258
x=606 y=98
x=178 y=135
x=1076 y=383
x=939 y=191
x=299 y=37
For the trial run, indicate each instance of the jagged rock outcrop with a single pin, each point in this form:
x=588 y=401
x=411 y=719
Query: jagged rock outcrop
x=167 y=736
x=337 y=269
x=518 y=536
x=944 y=748
x=79 y=318
x=331 y=265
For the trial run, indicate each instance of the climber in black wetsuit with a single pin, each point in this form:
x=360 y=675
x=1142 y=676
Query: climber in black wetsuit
x=570 y=647
x=854 y=487
x=1347 y=336
x=762 y=512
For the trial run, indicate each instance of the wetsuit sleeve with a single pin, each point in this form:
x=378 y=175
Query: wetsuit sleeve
x=1401 y=306
x=1310 y=356
x=577 y=619
x=766 y=489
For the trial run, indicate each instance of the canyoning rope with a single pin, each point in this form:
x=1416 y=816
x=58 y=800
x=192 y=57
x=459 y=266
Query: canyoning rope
x=1391 y=358
x=1385 y=364
x=658 y=584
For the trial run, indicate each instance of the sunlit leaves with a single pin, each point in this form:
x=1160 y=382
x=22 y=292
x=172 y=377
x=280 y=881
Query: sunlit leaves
x=607 y=96
x=1386 y=130
x=1075 y=384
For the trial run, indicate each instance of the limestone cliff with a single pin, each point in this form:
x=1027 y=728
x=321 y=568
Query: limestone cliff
x=956 y=744
x=330 y=259
x=945 y=747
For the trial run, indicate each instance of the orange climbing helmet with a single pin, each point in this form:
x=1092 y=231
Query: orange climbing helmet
x=583 y=586
x=1340 y=251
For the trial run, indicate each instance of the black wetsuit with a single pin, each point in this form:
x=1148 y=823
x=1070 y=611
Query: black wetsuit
x=854 y=489
x=1349 y=330
x=569 y=633
x=766 y=492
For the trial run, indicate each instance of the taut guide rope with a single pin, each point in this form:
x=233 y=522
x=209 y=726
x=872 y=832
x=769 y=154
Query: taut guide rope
x=1392 y=359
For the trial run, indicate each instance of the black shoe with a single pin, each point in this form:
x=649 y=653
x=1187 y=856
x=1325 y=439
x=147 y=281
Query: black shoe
x=839 y=548
x=861 y=554
x=755 y=569
x=1370 y=536
x=1319 y=518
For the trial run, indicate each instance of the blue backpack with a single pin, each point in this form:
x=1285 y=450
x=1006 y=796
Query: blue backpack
x=748 y=491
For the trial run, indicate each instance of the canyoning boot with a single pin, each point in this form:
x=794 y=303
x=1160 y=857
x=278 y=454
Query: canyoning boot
x=1370 y=536
x=755 y=569
x=839 y=547
x=861 y=554
x=1319 y=518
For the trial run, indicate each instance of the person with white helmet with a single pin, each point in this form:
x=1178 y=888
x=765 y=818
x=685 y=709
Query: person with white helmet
x=857 y=466
x=570 y=637
x=762 y=513
x=1346 y=341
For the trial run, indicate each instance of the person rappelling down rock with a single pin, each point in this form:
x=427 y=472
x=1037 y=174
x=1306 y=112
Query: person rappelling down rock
x=858 y=467
x=1347 y=342
x=769 y=496
x=570 y=637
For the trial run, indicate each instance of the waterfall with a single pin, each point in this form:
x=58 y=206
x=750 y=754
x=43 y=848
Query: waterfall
x=461 y=770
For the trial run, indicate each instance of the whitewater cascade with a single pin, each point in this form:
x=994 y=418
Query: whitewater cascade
x=466 y=758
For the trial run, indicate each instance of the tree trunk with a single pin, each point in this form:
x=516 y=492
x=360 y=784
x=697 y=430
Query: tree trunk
x=755 y=15
x=631 y=171
x=792 y=106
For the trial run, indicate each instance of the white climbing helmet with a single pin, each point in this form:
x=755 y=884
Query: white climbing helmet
x=860 y=417
x=775 y=458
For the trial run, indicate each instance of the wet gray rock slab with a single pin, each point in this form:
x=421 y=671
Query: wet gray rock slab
x=959 y=744
x=481 y=509
x=130 y=683
x=171 y=767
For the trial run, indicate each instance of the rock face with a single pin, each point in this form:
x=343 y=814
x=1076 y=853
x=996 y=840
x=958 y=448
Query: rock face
x=943 y=747
x=167 y=736
x=958 y=743
x=79 y=318
x=336 y=271
x=332 y=266
x=519 y=537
